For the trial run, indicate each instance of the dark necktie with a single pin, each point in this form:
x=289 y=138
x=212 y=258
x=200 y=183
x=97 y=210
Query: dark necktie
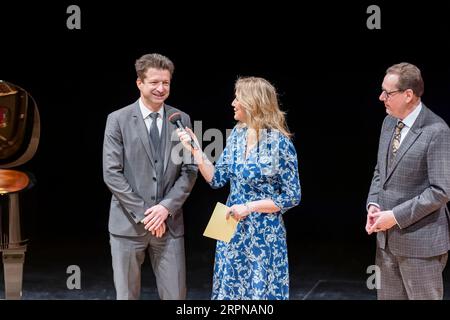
x=154 y=132
x=396 y=141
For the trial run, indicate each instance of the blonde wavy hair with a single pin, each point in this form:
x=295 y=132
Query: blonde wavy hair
x=258 y=98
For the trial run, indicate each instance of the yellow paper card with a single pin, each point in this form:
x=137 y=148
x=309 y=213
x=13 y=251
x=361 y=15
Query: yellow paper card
x=219 y=227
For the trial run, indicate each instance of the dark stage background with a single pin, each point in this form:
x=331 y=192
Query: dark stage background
x=327 y=66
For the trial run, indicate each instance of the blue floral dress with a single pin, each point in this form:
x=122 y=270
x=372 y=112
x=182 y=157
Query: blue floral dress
x=254 y=264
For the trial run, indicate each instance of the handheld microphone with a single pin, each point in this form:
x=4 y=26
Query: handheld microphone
x=175 y=118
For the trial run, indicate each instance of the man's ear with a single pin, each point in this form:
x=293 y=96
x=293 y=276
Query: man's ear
x=139 y=82
x=409 y=95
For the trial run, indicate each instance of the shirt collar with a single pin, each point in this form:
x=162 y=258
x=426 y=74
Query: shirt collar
x=146 y=112
x=411 y=118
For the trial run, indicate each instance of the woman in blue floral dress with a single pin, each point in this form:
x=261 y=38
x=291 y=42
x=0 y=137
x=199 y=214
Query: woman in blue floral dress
x=260 y=162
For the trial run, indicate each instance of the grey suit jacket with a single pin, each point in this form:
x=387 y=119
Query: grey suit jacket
x=129 y=171
x=416 y=187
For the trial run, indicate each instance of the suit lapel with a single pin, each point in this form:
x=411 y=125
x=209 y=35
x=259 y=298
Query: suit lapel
x=169 y=128
x=385 y=145
x=409 y=140
x=142 y=131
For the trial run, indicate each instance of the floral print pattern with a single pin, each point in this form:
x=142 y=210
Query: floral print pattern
x=254 y=264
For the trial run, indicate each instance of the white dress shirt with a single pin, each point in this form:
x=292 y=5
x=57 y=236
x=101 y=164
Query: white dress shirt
x=409 y=121
x=148 y=120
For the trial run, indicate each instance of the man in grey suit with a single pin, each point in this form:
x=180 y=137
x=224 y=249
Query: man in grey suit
x=148 y=186
x=409 y=191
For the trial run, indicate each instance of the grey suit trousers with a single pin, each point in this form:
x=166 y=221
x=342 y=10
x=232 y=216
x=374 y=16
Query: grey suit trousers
x=410 y=278
x=166 y=256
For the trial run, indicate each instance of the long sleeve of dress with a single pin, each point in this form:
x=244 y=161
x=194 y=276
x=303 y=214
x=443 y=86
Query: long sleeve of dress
x=222 y=168
x=287 y=192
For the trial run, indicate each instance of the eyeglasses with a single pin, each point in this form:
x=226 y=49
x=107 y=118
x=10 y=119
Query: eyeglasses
x=388 y=95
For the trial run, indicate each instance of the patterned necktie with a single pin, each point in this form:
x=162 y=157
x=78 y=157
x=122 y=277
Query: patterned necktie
x=154 y=132
x=396 y=141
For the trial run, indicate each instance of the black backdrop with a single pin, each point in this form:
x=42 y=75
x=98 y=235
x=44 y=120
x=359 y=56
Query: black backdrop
x=326 y=64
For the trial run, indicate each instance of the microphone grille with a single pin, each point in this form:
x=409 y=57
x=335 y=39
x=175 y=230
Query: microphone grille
x=174 y=117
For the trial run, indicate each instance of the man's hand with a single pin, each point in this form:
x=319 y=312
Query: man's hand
x=155 y=217
x=160 y=231
x=371 y=216
x=384 y=220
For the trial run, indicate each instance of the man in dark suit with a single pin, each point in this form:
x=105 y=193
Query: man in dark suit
x=409 y=191
x=148 y=187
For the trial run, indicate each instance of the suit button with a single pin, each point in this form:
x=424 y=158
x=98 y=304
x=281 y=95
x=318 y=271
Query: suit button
x=153 y=198
x=156 y=161
x=154 y=178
